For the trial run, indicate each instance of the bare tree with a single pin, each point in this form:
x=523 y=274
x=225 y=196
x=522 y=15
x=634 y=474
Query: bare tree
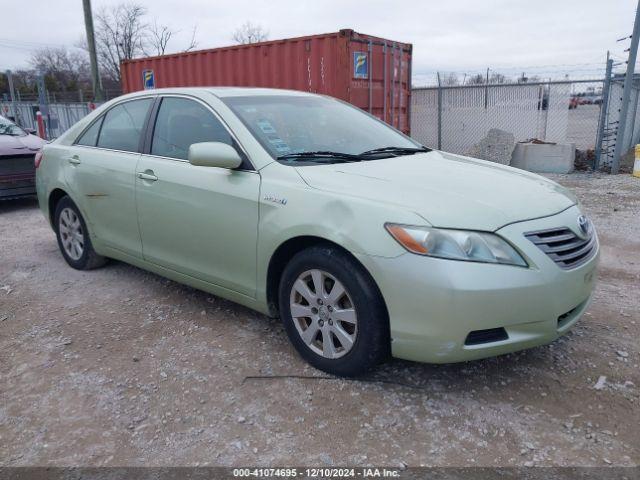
x=159 y=36
x=193 y=43
x=63 y=69
x=250 y=33
x=121 y=34
x=477 y=79
x=496 y=77
x=449 y=79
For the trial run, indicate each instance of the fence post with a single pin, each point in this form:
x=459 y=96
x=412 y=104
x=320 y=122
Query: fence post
x=12 y=95
x=486 y=90
x=43 y=102
x=626 y=92
x=546 y=117
x=604 y=106
x=439 y=113
x=633 y=119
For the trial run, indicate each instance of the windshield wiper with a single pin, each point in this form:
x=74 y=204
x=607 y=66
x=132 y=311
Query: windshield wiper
x=396 y=150
x=335 y=156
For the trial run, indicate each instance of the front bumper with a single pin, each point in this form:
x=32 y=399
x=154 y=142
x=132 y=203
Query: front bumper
x=434 y=304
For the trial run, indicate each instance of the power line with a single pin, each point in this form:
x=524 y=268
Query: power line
x=30 y=43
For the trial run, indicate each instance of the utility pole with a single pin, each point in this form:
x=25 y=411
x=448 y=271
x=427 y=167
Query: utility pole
x=98 y=96
x=626 y=92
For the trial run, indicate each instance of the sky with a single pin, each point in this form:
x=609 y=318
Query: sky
x=547 y=38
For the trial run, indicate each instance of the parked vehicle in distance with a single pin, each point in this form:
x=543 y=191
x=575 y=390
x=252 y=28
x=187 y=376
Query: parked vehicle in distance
x=574 y=102
x=18 y=148
x=364 y=242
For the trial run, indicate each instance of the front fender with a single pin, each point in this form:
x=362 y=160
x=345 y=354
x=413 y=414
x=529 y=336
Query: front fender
x=290 y=208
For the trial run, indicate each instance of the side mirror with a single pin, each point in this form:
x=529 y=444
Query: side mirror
x=31 y=131
x=214 y=154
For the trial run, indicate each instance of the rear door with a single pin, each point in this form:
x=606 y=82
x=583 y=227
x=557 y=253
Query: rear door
x=100 y=172
x=200 y=221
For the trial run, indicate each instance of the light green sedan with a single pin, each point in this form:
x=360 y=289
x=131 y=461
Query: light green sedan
x=364 y=242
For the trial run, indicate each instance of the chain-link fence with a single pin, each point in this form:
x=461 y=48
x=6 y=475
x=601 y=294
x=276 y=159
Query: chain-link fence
x=455 y=118
x=61 y=116
x=60 y=109
x=611 y=121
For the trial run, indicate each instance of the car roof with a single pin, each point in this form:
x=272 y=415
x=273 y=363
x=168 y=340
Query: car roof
x=222 y=92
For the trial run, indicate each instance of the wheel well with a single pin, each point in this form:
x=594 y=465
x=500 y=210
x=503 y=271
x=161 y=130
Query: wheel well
x=54 y=198
x=285 y=252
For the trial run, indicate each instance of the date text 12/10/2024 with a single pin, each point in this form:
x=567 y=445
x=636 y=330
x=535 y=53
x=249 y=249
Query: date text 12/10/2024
x=317 y=472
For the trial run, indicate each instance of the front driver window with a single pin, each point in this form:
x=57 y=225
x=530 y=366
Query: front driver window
x=182 y=122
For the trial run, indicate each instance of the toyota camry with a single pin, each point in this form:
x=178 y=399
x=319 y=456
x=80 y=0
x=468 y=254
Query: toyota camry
x=365 y=243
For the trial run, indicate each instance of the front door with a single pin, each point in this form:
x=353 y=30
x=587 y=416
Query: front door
x=101 y=170
x=199 y=221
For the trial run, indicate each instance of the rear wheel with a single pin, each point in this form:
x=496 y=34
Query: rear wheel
x=333 y=312
x=73 y=237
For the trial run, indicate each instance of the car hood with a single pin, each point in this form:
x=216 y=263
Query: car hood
x=14 y=145
x=447 y=190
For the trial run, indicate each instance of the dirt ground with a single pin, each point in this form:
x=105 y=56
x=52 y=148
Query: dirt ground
x=119 y=367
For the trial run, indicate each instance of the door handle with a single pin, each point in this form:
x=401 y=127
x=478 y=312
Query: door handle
x=147 y=176
x=74 y=160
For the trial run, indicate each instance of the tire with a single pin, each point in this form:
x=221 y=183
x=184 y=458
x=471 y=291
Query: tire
x=73 y=237
x=323 y=337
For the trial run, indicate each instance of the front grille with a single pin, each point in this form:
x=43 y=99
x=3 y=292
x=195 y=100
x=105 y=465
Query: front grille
x=564 y=247
x=17 y=165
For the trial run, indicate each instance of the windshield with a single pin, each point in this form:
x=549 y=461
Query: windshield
x=288 y=124
x=9 y=128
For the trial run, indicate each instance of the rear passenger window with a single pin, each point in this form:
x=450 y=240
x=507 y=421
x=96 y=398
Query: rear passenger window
x=123 y=124
x=90 y=136
x=182 y=122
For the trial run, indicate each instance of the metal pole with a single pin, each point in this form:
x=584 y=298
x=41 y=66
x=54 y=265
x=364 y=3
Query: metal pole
x=393 y=83
x=43 y=102
x=400 y=95
x=409 y=88
x=96 y=83
x=626 y=92
x=633 y=119
x=546 y=110
x=486 y=90
x=370 y=75
x=385 y=68
x=602 y=122
x=439 y=113
x=12 y=96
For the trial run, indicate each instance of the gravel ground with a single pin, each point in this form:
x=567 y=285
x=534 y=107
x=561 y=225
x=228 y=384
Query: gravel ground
x=118 y=366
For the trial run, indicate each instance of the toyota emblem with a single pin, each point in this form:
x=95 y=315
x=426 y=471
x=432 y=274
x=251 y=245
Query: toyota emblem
x=584 y=225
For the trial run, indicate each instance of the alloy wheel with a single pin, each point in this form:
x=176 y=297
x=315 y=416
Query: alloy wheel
x=71 y=233
x=323 y=313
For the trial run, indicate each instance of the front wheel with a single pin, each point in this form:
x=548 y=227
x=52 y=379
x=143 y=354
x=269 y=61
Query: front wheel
x=73 y=237
x=333 y=312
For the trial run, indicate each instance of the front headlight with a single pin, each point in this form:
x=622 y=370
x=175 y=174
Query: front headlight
x=456 y=244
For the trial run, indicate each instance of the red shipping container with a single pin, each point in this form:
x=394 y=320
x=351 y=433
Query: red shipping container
x=369 y=72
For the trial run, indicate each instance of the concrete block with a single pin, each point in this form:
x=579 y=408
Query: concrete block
x=544 y=157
